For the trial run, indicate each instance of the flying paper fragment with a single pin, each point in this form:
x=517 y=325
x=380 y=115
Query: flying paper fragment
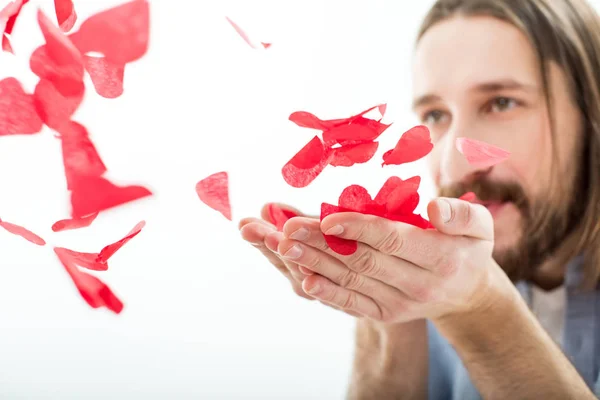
x=107 y=77
x=65 y=14
x=108 y=251
x=53 y=108
x=6 y=46
x=85 y=260
x=339 y=245
x=307 y=164
x=348 y=155
x=18 y=115
x=214 y=192
x=412 y=146
x=481 y=154
x=24 y=233
x=95 y=292
x=74 y=223
x=279 y=216
x=93 y=194
x=405 y=197
x=9 y=14
x=245 y=36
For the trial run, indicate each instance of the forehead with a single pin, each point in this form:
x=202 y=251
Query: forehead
x=462 y=51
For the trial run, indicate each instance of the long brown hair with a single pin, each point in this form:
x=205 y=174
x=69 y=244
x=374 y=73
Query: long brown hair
x=568 y=33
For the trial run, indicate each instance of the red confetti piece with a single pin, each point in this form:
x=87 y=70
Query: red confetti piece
x=347 y=156
x=95 y=292
x=339 y=245
x=52 y=107
x=469 y=196
x=404 y=198
x=65 y=14
x=301 y=170
x=245 y=36
x=412 y=146
x=357 y=132
x=121 y=33
x=279 y=216
x=111 y=249
x=85 y=260
x=74 y=223
x=24 y=233
x=382 y=109
x=481 y=154
x=94 y=194
x=214 y=192
x=307 y=120
x=80 y=156
x=9 y=14
x=107 y=77
x=6 y=46
x=355 y=198
x=18 y=113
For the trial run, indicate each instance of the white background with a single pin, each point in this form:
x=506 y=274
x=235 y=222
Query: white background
x=205 y=316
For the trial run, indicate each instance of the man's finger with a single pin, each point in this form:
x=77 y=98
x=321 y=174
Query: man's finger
x=461 y=218
x=272 y=241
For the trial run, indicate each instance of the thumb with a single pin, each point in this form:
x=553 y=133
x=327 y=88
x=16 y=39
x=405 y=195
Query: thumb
x=461 y=218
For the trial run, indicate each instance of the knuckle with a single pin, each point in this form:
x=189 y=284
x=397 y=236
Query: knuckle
x=365 y=263
x=351 y=280
x=422 y=293
x=349 y=301
x=449 y=264
x=392 y=242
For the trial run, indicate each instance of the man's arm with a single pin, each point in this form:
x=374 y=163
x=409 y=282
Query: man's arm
x=509 y=355
x=390 y=362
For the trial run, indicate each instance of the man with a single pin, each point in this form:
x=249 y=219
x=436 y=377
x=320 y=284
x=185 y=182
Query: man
x=481 y=306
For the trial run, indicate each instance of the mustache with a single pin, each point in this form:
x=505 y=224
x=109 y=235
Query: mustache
x=487 y=190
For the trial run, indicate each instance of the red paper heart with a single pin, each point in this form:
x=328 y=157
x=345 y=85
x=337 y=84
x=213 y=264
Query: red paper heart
x=412 y=146
x=297 y=176
x=405 y=197
x=18 y=115
x=348 y=155
x=480 y=154
x=214 y=192
x=341 y=246
x=107 y=77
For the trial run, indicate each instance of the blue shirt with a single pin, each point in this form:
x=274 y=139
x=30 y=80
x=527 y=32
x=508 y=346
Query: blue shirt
x=449 y=379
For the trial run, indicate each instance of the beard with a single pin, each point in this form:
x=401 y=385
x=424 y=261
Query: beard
x=544 y=226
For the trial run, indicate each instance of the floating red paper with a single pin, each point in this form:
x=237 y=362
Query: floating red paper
x=214 y=192
x=94 y=194
x=245 y=36
x=307 y=164
x=74 y=223
x=80 y=156
x=339 y=245
x=405 y=197
x=95 y=292
x=9 y=14
x=469 y=196
x=24 y=233
x=18 y=115
x=279 y=216
x=120 y=33
x=65 y=14
x=307 y=120
x=52 y=107
x=360 y=131
x=382 y=109
x=347 y=156
x=85 y=260
x=107 y=77
x=481 y=154
x=111 y=249
x=412 y=146
x=355 y=198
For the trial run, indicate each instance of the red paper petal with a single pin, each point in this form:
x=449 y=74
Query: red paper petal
x=469 y=196
x=347 y=156
x=95 y=292
x=65 y=14
x=299 y=177
x=404 y=198
x=355 y=198
x=341 y=246
x=74 y=223
x=245 y=36
x=80 y=156
x=481 y=154
x=85 y=260
x=106 y=76
x=94 y=194
x=108 y=251
x=24 y=233
x=280 y=216
x=6 y=46
x=412 y=146
x=18 y=114
x=9 y=15
x=307 y=120
x=120 y=33
x=52 y=107
x=214 y=192
x=354 y=132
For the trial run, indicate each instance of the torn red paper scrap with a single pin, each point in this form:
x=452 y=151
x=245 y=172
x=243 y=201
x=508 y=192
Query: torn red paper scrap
x=348 y=155
x=6 y=46
x=412 y=146
x=74 y=223
x=305 y=119
x=18 y=115
x=24 y=233
x=53 y=108
x=362 y=130
x=9 y=14
x=404 y=199
x=65 y=14
x=481 y=154
x=339 y=245
x=93 y=194
x=307 y=164
x=80 y=156
x=382 y=109
x=355 y=198
x=214 y=192
x=120 y=33
x=469 y=196
x=279 y=216
x=66 y=78
x=108 y=251
x=245 y=36
x=95 y=292
x=84 y=260
x=107 y=77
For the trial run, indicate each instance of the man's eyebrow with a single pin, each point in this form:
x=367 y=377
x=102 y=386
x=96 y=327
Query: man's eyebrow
x=483 y=87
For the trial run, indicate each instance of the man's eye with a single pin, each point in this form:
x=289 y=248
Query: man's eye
x=501 y=104
x=432 y=117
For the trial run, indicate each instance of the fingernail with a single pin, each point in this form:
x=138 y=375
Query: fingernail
x=314 y=290
x=335 y=230
x=294 y=252
x=300 y=234
x=445 y=210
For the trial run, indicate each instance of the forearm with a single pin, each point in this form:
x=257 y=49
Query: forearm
x=390 y=361
x=510 y=356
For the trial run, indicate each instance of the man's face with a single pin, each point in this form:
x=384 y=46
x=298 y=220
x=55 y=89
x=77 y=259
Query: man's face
x=478 y=77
